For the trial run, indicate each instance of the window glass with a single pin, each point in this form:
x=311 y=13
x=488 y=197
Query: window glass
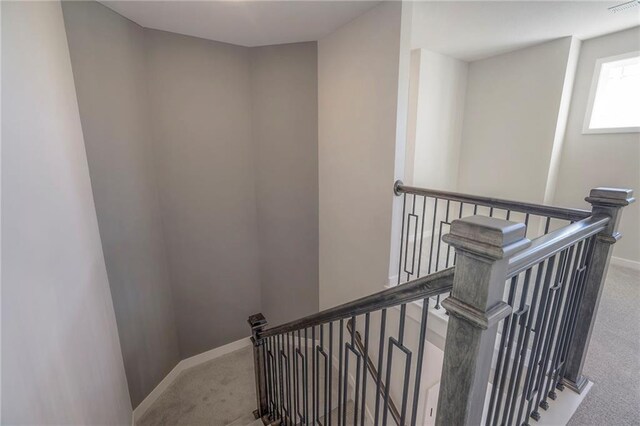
x=616 y=103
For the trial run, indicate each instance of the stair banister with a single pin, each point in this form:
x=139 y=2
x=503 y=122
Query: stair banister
x=428 y=286
x=553 y=242
x=491 y=252
x=608 y=202
x=270 y=388
x=518 y=206
x=483 y=246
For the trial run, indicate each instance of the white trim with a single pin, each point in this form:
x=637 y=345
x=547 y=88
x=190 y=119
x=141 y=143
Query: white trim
x=619 y=261
x=183 y=365
x=592 y=97
x=215 y=353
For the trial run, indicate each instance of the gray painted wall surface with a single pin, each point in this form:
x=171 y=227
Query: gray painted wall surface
x=203 y=160
x=358 y=88
x=515 y=136
x=108 y=58
x=61 y=359
x=609 y=159
x=200 y=98
x=285 y=134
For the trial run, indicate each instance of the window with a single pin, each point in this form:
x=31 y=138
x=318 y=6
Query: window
x=614 y=100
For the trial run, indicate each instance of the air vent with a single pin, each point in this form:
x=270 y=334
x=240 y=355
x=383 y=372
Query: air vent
x=624 y=6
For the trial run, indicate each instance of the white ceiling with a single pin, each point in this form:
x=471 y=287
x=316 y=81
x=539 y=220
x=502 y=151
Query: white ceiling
x=246 y=23
x=479 y=29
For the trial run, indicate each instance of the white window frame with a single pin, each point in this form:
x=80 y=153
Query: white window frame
x=592 y=97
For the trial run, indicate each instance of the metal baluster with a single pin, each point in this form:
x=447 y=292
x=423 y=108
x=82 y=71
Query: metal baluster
x=397 y=343
x=346 y=374
x=424 y=213
x=552 y=329
x=340 y=407
x=590 y=246
x=433 y=231
x=314 y=379
x=415 y=237
x=404 y=206
x=330 y=369
x=306 y=376
x=446 y=220
x=565 y=322
x=500 y=360
x=296 y=380
x=535 y=347
x=291 y=412
x=418 y=376
x=523 y=345
x=280 y=376
x=542 y=337
x=364 y=371
x=383 y=321
x=523 y=311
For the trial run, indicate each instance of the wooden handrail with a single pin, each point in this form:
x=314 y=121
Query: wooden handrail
x=547 y=245
x=517 y=206
x=421 y=288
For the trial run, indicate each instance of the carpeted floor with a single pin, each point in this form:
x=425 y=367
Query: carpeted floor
x=216 y=393
x=613 y=361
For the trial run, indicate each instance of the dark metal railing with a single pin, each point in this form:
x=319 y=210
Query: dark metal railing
x=427 y=215
x=371 y=368
x=536 y=299
x=524 y=283
x=544 y=289
x=314 y=370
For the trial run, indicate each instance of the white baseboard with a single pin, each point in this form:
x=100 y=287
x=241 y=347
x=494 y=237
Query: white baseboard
x=619 y=261
x=182 y=366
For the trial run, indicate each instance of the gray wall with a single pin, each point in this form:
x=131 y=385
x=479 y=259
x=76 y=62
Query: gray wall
x=285 y=134
x=203 y=160
x=358 y=90
x=61 y=359
x=609 y=159
x=108 y=57
x=200 y=98
x=515 y=136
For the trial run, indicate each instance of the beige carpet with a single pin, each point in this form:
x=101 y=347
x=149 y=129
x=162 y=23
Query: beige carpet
x=216 y=393
x=613 y=360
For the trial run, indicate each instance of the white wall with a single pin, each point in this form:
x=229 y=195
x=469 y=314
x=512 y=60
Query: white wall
x=61 y=359
x=358 y=90
x=593 y=160
x=438 y=89
x=510 y=121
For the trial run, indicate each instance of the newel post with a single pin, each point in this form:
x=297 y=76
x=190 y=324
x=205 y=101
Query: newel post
x=609 y=202
x=483 y=246
x=257 y=323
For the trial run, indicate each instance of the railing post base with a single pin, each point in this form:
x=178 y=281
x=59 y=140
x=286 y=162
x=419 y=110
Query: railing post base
x=257 y=323
x=577 y=386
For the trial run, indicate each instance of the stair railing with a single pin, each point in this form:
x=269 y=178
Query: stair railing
x=427 y=215
x=540 y=297
x=371 y=368
x=526 y=276
x=312 y=370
